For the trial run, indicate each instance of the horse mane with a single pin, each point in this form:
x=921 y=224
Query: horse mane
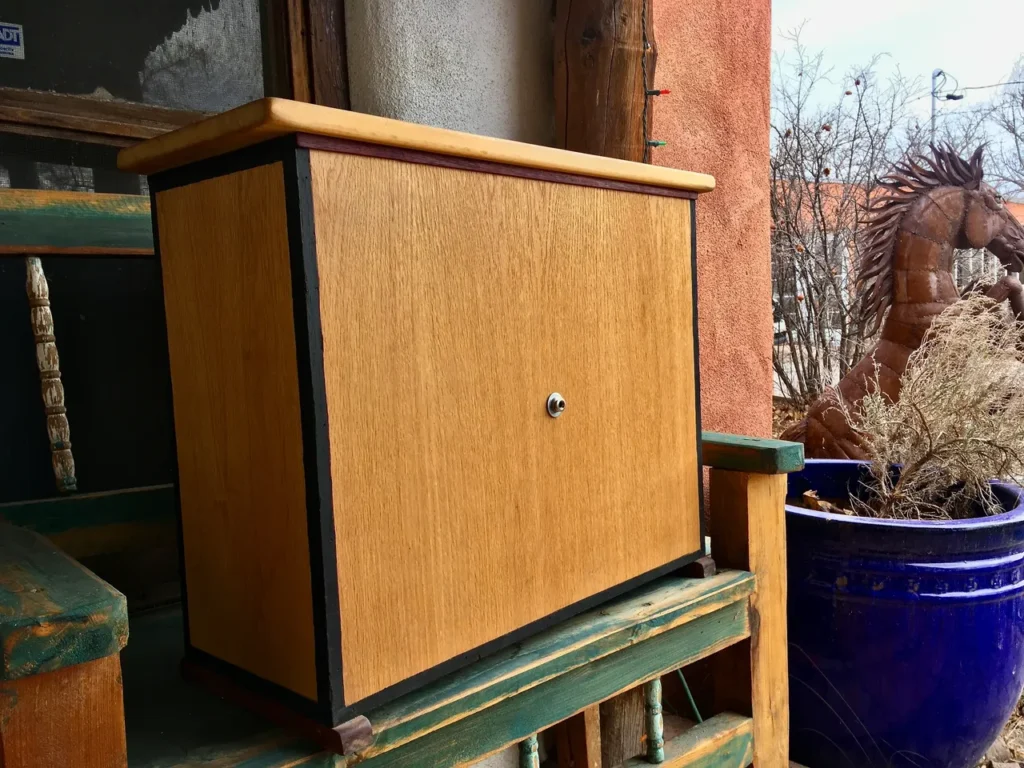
x=909 y=179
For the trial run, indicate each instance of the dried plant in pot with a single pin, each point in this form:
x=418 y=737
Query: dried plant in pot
x=906 y=572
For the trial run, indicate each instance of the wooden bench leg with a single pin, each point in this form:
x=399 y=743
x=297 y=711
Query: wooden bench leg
x=655 y=722
x=69 y=717
x=528 y=757
x=748 y=532
x=579 y=739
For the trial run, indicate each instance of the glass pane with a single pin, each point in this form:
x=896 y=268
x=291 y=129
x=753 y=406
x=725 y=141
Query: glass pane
x=202 y=55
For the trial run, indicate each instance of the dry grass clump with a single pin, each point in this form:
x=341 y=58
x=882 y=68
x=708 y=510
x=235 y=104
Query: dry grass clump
x=957 y=424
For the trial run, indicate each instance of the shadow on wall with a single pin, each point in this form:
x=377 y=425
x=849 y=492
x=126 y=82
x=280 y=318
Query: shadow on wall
x=482 y=66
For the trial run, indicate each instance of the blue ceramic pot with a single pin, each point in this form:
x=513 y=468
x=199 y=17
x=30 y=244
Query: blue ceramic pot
x=906 y=638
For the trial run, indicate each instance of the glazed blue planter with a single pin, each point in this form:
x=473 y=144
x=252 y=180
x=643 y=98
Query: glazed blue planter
x=906 y=638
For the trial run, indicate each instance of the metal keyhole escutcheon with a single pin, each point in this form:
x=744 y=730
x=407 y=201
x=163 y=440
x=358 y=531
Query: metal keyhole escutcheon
x=556 y=405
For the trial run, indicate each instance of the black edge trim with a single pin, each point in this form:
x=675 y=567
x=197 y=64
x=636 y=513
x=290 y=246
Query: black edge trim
x=316 y=448
x=178 y=520
x=696 y=376
x=282 y=150
x=272 y=151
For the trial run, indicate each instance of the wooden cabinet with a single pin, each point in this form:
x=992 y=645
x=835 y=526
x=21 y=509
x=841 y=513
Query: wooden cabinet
x=365 y=321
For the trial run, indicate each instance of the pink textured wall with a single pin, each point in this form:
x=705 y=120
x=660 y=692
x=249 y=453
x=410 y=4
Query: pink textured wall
x=715 y=56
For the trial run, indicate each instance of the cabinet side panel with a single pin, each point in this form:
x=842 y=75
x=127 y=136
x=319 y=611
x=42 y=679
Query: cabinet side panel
x=453 y=303
x=231 y=337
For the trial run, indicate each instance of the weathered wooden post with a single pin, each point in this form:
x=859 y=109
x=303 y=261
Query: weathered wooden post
x=605 y=58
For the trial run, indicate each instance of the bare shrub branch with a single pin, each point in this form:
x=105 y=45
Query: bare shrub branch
x=827 y=154
x=956 y=425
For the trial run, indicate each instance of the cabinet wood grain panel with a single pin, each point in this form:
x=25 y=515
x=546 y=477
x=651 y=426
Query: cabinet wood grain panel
x=225 y=261
x=452 y=304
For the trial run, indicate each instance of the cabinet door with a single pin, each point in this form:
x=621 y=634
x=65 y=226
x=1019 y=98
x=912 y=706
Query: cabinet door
x=453 y=304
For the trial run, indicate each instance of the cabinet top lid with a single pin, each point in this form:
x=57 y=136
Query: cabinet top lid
x=268 y=118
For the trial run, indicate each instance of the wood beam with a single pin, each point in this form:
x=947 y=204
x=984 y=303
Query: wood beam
x=578 y=740
x=748 y=531
x=82 y=118
x=304 y=51
x=601 y=104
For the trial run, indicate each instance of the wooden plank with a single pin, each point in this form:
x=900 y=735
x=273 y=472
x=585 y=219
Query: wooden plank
x=748 y=530
x=622 y=727
x=232 y=348
x=474 y=444
x=185 y=725
x=579 y=740
x=328 y=57
x=69 y=223
x=751 y=454
x=69 y=717
x=55 y=516
x=267 y=118
x=128 y=538
x=357 y=735
x=599 y=82
x=722 y=741
x=53 y=612
x=512 y=719
x=88 y=118
x=647 y=613
x=284 y=51
x=298 y=50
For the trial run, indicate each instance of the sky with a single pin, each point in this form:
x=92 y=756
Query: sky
x=977 y=41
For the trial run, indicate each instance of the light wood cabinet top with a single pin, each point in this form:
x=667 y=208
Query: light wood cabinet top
x=269 y=118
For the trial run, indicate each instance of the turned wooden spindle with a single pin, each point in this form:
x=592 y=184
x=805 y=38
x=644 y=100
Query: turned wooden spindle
x=655 y=722
x=528 y=752
x=49 y=375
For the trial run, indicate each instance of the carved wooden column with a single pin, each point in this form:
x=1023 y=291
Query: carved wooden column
x=49 y=374
x=601 y=101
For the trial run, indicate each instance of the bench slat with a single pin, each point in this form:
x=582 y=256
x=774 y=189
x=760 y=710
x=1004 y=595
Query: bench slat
x=54 y=613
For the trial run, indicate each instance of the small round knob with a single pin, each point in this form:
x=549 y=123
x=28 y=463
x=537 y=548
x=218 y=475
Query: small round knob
x=556 y=405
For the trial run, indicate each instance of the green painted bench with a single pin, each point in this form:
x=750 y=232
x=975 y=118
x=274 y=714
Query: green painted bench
x=128 y=536
x=61 y=629
x=507 y=699
x=500 y=701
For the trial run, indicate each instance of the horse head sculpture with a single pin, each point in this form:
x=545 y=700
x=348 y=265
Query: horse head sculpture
x=930 y=206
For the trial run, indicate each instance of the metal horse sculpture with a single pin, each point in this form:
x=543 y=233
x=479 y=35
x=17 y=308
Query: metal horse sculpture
x=932 y=206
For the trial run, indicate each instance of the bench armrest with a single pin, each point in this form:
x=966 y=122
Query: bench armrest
x=751 y=454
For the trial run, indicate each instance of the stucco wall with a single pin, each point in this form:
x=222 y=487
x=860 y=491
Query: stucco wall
x=482 y=66
x=715 y=56
x=485 y=66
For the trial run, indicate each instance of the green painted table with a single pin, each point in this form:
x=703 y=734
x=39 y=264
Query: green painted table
x=503 y=700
